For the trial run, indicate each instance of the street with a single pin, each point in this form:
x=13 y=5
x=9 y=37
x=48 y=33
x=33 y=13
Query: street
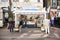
x=29 y=34
x=31 y=16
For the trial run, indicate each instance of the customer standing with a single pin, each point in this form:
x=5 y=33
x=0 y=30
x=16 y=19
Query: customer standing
x=11 y=24
x=52 y=18
x=21 y=24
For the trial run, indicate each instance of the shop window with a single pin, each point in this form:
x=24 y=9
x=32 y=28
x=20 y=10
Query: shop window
x=4 y=0
x=58 y=3
x=44 y=3
x=54 y=3
x=15 y=0
x=58 y=14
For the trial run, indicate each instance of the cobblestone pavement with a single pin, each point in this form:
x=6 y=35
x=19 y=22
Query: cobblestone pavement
x=29 y=34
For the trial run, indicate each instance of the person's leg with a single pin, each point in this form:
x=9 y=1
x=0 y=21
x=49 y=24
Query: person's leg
x=10 y=29
x=20 y=28
x=51 y=23
x=46 y=29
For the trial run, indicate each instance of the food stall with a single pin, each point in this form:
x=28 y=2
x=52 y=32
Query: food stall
x=29 y=14
x=34 y=17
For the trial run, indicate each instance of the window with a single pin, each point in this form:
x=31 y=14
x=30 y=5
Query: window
x=4 y=0
x=38 y=0
x=54 y=3
x=15 y=0
x=26 y=0
x=58 y=3
x=44 y=3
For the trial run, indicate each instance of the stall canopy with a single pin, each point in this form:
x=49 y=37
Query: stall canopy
x=29 y=12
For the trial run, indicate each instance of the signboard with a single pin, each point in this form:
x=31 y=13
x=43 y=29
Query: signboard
x=1 y=18
x=1 y=23
x=31 y=8
x=34 y=8
x=59 y=14
x=1 y=14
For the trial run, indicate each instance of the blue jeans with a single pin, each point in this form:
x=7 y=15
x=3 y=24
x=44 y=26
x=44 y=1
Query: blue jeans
x=52 y=22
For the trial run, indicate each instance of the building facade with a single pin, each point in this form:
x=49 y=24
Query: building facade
x=4 y=3
x=22 y=3
x=27 y=3
x=4 y=7
x=55 y=3
x=55 y=8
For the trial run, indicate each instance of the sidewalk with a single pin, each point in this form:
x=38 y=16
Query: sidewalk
x=29 y=34
x=26 y=33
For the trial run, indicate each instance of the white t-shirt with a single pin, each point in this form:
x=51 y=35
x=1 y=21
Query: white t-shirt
x=52 y=18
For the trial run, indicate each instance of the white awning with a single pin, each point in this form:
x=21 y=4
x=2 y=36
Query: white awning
x=29 y=12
